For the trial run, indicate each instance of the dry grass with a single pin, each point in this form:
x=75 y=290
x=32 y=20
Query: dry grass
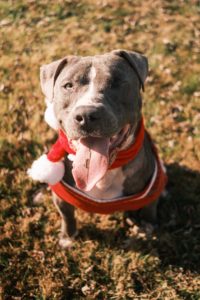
x=108 y=261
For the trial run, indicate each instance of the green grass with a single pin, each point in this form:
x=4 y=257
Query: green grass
x=191 y=84
x=108 y=260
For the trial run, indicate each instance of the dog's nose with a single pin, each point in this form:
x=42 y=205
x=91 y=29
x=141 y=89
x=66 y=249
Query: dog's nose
x=86 y=115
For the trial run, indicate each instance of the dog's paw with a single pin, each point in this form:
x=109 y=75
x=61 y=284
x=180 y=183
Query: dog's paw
x=66 y=242
x=46 y=171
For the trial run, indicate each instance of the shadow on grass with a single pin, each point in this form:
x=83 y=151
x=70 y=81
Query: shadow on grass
x=176 y=241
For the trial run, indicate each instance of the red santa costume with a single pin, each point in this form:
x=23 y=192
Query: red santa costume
x=50 y=168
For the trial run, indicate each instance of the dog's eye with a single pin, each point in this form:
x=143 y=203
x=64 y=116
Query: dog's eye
x=84 y=80
x=68 y=85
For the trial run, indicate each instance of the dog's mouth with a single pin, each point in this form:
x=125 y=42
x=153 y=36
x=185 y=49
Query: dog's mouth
x=94 y=155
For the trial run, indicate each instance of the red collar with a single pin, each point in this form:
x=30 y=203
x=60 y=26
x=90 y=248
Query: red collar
x=150 y=193
x=133 y=202
x=124 y=156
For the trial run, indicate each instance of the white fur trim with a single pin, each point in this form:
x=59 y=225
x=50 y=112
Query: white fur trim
x=163 y=166
x=50 y=116
x=151 y=182
x=47 y=101
x=71 y=157
x=44 y=170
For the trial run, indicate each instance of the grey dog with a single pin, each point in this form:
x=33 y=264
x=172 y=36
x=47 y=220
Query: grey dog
x=96 y=101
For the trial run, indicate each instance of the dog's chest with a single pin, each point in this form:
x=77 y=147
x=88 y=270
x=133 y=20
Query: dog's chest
x=110 y=186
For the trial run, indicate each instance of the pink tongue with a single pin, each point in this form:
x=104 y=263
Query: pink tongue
x=91 y=162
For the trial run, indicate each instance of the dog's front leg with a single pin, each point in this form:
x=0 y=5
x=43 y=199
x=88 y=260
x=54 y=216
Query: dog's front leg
x=145 y=215
x=68 y=222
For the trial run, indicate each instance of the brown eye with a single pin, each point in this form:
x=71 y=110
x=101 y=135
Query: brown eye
x=84 y=80
x=68 y=85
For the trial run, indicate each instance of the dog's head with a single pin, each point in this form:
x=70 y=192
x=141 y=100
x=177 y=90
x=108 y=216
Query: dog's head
x=97 y=103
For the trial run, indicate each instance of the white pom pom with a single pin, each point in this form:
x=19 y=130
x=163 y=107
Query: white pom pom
x=44 y=170
x=50 y=117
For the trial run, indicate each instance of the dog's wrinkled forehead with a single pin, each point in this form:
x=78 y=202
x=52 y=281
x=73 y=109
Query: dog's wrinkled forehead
x=101 y=67
x=102 y=63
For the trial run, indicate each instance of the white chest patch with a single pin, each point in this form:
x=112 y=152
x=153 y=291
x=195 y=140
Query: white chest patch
x=110 y=186
x=86 y=98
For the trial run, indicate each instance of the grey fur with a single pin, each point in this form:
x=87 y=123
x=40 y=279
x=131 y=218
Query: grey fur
x=116 y=101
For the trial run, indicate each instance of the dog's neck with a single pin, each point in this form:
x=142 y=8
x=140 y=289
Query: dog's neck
x=123 y=156
x=116 y=182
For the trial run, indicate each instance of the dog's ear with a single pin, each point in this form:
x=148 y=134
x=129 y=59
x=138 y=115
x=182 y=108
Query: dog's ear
x=48 y=76
x=137 y=61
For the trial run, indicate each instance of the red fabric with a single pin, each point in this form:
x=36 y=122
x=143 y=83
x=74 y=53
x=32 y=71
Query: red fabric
x=57 y=152
x=124 y=156
x=125 y=203
x=132 y=202
x=59 y=149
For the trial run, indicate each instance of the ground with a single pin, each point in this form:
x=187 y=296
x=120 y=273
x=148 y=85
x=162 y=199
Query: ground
x=108 y=260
